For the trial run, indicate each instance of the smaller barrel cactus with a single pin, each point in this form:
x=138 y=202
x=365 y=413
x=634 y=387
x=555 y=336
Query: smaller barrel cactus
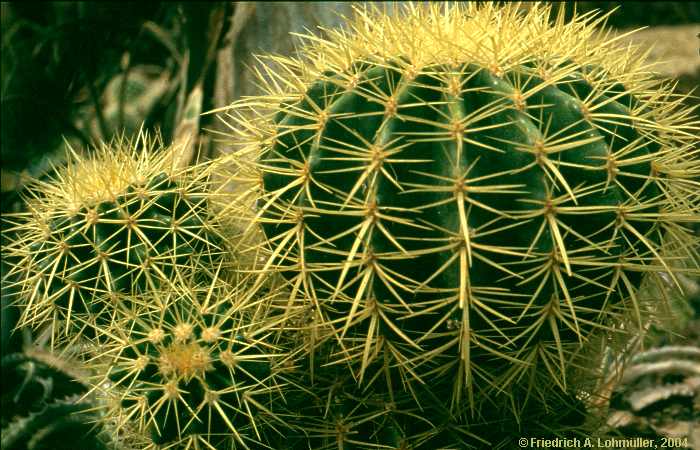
x=192 y=364
x=118 y=220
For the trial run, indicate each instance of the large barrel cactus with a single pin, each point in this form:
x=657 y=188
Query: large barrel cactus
x=119 y=220
x=470 y=192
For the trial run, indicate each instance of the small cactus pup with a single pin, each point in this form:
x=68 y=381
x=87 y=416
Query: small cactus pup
x=474 y=190
x=193 y=365
x=117 y=219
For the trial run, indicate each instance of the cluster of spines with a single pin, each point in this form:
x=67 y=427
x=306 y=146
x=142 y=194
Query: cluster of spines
x=194 y=365
x=119 y=220
x=598 y=175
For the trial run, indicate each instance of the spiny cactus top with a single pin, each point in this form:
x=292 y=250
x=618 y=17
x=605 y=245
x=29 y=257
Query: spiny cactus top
x=192 y=365
x=117 y=220
x=472 y=189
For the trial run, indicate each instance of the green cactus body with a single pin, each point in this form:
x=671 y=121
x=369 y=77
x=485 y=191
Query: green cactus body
x=116 y=222
x=473 y=217
x=333 y=411
x=347 y=417
x=474 y=193
x=61 y=425
x=189 y=367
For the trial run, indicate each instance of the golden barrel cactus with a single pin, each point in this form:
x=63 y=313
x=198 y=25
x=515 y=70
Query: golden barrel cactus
x=472 y=192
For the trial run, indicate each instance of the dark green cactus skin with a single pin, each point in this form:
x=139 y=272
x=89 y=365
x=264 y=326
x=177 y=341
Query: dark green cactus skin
x=345 y=417
x=513 y=245
x=334 y=412
x=337 y=413
x=108 y=254
x=61 y=425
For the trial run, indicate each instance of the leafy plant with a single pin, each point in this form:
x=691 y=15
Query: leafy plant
x=45 y=406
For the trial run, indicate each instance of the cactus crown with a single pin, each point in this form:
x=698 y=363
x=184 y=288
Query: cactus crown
x=192 y=362
x=106 y=173
x=496 y=37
